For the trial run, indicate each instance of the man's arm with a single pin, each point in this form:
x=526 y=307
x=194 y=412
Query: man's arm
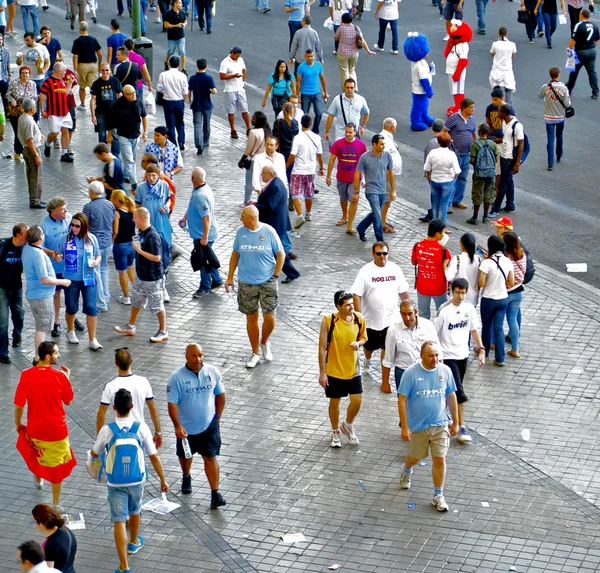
x=219 y=404
x=330 y=165
x=323 y=354
x=453 y=407
x=33 y=150
x=55 y=282
x=320 y=162
x=479 y=344
x=99 y=59
x=46 y=64
x=157 y=465
x=174 y=415
x=279 y=263
x=328 y=123
x=145 y=127
x=138 y=249
x=18 y=416
x=324 y=84
x=233 y=261
x=517 y=164
x=100 y=416
x=156 y=421
x=147 y=77
x=357 y=182
x=75 y=60
x=392 y=180
x=109 y=55
x=406 y=433
x=357 y=303
x=298 y=84
x=291 y=158
x=205 y=230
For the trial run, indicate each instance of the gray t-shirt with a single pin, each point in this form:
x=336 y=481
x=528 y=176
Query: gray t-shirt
x=375 y=171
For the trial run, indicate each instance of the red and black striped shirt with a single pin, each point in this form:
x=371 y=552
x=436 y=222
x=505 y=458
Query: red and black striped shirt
x=55 y=91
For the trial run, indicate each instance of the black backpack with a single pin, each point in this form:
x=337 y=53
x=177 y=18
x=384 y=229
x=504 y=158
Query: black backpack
x=530 y=268
x=332 y=326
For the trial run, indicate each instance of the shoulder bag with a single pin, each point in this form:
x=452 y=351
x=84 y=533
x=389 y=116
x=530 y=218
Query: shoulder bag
x=569 y=110
x=359 y=39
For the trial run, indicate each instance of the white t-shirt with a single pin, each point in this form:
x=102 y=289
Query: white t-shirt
x=461 y=267
x=305 y=147
x=503 y=51
x=229 y=66
x=453 y=325
x=508 y=140
x=30 y=56
x=140 y=392
x=389 y=10
x=495 y=285
x=379 y=288
x=392 y=149
x=419 y=71
x=403 y=344
x=458 y=52
x=443 y=164
x=339 y=8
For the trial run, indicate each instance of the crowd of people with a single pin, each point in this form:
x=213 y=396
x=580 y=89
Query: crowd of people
x=129 y=218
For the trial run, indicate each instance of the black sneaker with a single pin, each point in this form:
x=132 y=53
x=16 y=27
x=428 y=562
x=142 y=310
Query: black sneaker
x=47 y=150
x=473 y=221
x=16 y=341
x=78 y=326
x=6 y=360
x=166 y=66
x=66 y=158
x=290 y=204
x=217 y=500
x=184 y=71
x=199 y=151
x=182 y=147
x=186 y=485
x=56 y=331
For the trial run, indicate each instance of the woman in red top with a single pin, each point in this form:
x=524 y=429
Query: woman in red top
x=44 y=441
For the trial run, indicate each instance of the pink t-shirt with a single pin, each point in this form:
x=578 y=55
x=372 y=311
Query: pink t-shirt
x=348 y=155
x=139 y=60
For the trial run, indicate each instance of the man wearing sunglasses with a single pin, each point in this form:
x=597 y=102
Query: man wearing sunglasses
x=376 y=290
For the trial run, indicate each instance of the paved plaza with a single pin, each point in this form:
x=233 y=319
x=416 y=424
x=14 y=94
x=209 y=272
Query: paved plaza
x=278 y=473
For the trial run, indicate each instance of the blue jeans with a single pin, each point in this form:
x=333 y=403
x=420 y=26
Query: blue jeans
x=202 y=128
x=441 y=193
x=492 y=320
x=377 y=201
x=204 y=10
x=209 y=278
x=143 y=9
x=398 y=376
x=513 y=317
x=120 y=6
x=481 y=6
x=506 y=185
x=550 y=24
x=32 y=11
x=174 y=119
x=317 y=102
x=382 y=27
x=101 y=124
x=102 y=286
x=294 y=27
x=336 y=43
x=129 y=148
x=551 y=130
x=461 y=181
x=12 y=300
x=540 y=18
x=424 y=302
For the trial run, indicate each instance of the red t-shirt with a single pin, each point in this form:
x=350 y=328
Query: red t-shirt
x=44 y=389
x=55 y=91
x=348 y=155
x=429 y=258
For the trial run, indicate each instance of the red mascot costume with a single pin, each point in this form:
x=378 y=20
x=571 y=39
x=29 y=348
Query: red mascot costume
x=457 y=60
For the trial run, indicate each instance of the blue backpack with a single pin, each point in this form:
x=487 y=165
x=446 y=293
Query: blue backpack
x=123 y=460
x=485 y=160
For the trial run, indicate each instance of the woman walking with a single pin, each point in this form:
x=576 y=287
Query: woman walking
x=281 y=85
x=123 y=232
x=550 y=14
x=516 y=254
x=256 y=144
x=60 y=545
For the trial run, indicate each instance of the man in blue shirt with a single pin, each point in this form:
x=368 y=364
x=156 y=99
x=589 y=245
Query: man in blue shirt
x=202 y=225
x=116 y=40
x=258 y=253
x=376 y=165
x=296 y=10
x=308 y=76
x=426 y=392
x=201 y=85
x=196 y=398
x=52 y=45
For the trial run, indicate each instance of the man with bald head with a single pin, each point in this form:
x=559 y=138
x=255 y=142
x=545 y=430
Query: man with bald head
x=202 y=225
x=259 y=257
x=196 y=398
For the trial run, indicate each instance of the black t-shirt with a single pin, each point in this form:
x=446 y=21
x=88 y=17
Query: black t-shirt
x=85 y=47
x=285 y=133
x=585 y=35
x=491 y=112
x=11 y=266
x=146 y=269
x=126 y=227
x=61 y=548
x=128 y=76
x=126 y=117
x=174 y=18
x=106 y=92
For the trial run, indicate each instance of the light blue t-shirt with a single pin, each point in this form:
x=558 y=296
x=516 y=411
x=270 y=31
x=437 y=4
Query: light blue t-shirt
x=154 y=197
x=310 y=77
x=426 y=392
x=36 y=266
x=202 y=204
x=375 y=170
x=296 y=15
x=195 y=396
x=74 y=271
x=54 y=235
x=257 y=250
x=3 y=13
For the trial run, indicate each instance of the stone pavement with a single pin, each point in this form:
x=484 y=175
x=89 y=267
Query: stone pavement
x=279 y=474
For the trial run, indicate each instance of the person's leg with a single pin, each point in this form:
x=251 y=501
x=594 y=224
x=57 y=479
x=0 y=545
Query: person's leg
x=17 y=313
x=376 y=207
x=448 y=191
x=505 y=170
x=424 y=304
x=4 y=306
x=343 y=65
x=480 y=14
x=438 y=471
x=124 y=283
x=531 y=22
x=353 y=407
x=589 y=62
x=178 y=113
x=25 y=16
x=394 y=28
x=510 y=191
x=253 y=331
x=336 y=43
x=435 y=198
x=197 y=120
x=248 y=185
x=134 y=527
x=486 y=323
x=381 y=38
x=353 y=206
x=352 y=61
x=365 y=223
x=208 y=13
x=211 y=469
x=267 y=328
x=56 y=488
x=560 y=127
x=334 y=412
x=318 y=107
x=460 y=183
x=573 y=16
x=91 y=322
x=512 y=314
x=104 y=272
x=498 y=315
x=550 y=131
x=169 y=111
x=121 y=540
x=206 y=127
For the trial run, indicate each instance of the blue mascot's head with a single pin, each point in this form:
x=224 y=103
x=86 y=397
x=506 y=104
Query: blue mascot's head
x=416 y=46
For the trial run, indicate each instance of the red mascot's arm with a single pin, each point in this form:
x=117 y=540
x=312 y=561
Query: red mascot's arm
x=448 y=48
x=461 y=66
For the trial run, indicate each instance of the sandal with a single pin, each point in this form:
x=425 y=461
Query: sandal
x=350 y=231
x=388 y=229
x=341 y=222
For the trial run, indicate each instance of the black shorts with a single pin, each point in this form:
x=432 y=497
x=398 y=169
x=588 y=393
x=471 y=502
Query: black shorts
x=459 y=369
x=375 y=339
x=207 y=444
x=338 y=388
x=59 y=288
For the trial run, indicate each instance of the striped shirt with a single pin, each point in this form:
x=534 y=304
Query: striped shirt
x=347 y=35
x=55 y=91
x=100 y=213
x=519 y=268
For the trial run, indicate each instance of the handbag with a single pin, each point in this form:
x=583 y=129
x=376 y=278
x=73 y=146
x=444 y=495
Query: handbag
x=569 y=110
x=522 y=16
x=359 y=39
x=245 y=162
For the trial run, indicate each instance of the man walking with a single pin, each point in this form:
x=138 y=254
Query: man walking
x=87 y=60
x=342 y=334
x=31 y=557
x=148 y=285
x=376 y=165
x=36 y=57
x=584 y=40
x=175 y=21
x=308 y=76
x=173 y=84
x=389 y=128
x=346 y=108
x=259 y=256
x=101 y=214
x=269 y=157
x=196 y=397
x=233 y=73
x=296 y=9
x=127 y=71
x=427 y=391
x=11 y=288
x=306 y=38
x=201 y=87
x=31 y=138
x=376 y=290
x=116 y=40
x=104 y=93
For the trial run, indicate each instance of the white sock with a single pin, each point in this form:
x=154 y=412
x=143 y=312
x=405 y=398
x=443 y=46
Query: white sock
x=65 y=150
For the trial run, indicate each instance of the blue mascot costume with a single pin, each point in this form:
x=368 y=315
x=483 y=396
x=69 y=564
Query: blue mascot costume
x=416 y=49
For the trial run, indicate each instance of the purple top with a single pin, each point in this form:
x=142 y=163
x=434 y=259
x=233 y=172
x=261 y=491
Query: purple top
x=139 y=60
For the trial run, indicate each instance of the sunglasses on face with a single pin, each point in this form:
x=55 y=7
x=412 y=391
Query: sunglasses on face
x=75 y=226
x=381 y=254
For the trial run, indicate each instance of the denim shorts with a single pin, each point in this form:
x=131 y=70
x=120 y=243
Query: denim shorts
x=176 y=47
x=125 y=501
x=123 y=256
x=88 y=294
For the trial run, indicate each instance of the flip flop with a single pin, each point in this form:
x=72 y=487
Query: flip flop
x=350 y=231
x=389 y=230
x=390 y=225
x=341 y=222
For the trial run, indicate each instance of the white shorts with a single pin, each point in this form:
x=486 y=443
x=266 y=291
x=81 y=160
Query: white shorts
x=459 y=86
x=236 y=101
x=55 y=123
x=504 y=79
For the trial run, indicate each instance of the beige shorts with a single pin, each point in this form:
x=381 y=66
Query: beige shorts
x=435 y=437
x=88 y=74
x=388 y=189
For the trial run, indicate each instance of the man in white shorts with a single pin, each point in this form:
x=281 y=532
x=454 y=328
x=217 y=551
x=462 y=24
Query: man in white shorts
x=233 y=73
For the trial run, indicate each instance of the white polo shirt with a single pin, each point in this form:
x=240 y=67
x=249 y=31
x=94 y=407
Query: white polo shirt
x=229 y=66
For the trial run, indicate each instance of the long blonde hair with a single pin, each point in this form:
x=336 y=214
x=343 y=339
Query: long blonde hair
x=120 y=200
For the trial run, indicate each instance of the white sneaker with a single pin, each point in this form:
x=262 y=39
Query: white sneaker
x=160 y=336
x=395 y=52
x=376 y=47
x=334 y=53
x=348 y=431
x=463 y=436
x=254 y=360
x=266 y=351
x=439 y=503
x=127 y=329
x=95 y=345
x=367 y=366
x=404 y=479
x=158 y=20
x=166 y=296
x=72 y=337
x=124 y=300
x=300 y=220
x=335 y=439
x=308 y=216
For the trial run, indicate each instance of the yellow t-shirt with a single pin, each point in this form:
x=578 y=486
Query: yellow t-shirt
x=342 y=359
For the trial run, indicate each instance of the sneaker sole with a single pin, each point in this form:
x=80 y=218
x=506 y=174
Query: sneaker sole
x=134 y=551
x=159 y=341
x=441 y=510
x=336 y=445
x=402 y=486
x=125 y=333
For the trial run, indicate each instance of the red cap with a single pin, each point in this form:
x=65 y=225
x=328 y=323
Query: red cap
x=504 y=222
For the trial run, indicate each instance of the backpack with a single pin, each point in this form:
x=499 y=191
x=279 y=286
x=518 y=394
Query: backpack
x=526 y=144
x=530 y=267
x=332 y=326
x=485 y=160
x=123 y=460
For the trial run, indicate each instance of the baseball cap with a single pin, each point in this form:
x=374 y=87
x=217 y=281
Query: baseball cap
x=236 y=50
x=503 y=222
